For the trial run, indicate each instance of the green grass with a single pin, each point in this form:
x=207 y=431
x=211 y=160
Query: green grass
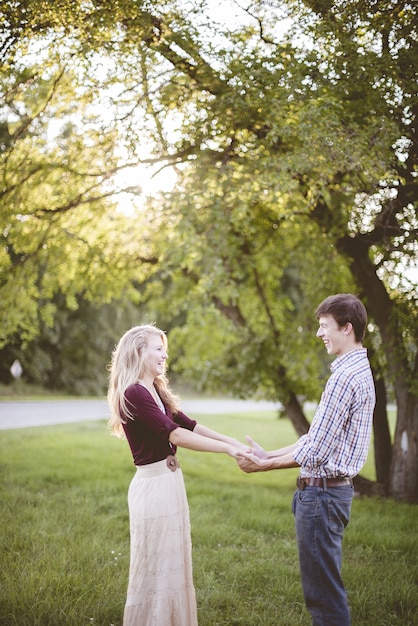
x=65 y=537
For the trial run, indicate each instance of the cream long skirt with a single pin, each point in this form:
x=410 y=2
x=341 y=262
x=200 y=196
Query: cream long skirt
x=160 y=589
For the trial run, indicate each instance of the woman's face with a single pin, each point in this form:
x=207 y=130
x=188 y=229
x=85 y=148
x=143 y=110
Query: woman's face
x=156 y=357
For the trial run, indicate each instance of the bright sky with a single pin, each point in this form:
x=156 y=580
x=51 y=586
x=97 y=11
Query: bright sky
x=152 y=179
x=229 y=14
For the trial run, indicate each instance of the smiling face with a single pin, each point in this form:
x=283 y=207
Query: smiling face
x=337 y=339
x=156 y=357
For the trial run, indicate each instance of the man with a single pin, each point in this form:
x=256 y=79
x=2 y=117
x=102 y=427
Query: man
x=329 y=455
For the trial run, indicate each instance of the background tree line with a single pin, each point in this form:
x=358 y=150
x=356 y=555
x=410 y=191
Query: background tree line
x=292 y=133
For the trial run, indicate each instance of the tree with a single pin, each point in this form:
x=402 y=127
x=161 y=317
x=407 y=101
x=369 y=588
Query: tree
x=337 y=141
x=73 y=353
x=375 y=48
x=60 y=228
x=296 y=162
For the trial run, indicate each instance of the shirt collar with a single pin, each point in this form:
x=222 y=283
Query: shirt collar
x=340 y=361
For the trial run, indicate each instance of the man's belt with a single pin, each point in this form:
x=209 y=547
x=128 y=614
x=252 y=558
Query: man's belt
x=302 y=482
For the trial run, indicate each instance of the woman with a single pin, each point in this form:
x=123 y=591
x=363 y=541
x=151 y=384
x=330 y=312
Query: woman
x=160 y=589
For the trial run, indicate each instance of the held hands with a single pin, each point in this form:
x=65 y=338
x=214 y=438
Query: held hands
x=255 y=460
x=252 y=458
x=256 y=449
x=240 y=452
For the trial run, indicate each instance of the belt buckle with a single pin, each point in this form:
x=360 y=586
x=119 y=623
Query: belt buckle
x=172 y=463
x=300 y=483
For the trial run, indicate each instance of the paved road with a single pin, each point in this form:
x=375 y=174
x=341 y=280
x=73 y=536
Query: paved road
x=44 y=413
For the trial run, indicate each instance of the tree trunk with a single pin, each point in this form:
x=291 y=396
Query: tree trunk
x=365 y=487
x=403 y=483
x=294 y=411
x=404 y=469
x=382 y=441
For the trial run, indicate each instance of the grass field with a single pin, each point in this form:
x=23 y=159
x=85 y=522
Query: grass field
x=65 y=538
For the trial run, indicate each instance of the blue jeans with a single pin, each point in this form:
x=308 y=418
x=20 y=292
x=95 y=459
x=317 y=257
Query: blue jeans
x=321 y=516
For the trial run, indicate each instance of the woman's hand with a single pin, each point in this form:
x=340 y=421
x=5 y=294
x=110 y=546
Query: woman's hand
x=240 y=453
x=257 y=450
x=252 y=463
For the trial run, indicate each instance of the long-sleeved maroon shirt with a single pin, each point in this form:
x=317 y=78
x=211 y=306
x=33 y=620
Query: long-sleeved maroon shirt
x=148 y=432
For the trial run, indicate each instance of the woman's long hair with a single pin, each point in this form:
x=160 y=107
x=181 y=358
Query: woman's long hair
x=127 y=367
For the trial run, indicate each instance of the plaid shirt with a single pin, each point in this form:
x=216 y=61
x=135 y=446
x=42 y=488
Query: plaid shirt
x=338 y=439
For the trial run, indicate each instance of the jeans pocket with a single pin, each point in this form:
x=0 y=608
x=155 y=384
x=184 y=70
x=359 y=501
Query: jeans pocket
x=338 y=515
x=295 y=495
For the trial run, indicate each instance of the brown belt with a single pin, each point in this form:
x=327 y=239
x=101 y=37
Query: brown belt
x=322 y=482
x=172 y=462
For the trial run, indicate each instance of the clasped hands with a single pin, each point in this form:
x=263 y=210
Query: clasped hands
x=254 y=459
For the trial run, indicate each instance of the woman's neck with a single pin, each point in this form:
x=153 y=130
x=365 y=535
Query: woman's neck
x=149 y=385
x=147 y=381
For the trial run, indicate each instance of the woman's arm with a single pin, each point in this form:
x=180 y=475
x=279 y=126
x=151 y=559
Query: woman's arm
x=269 y=454
x=203 y=443
x=213 y=434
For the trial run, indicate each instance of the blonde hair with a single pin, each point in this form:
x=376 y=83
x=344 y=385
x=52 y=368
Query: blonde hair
x=127 y=367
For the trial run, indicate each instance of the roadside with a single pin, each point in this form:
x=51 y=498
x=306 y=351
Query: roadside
x=28 y=413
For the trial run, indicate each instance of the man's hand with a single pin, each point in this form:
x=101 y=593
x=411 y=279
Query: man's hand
x=252 y=463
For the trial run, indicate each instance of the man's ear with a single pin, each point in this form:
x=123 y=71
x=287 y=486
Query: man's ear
x=348 y=328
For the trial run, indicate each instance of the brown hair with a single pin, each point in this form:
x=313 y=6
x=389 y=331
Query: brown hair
x=345 y=308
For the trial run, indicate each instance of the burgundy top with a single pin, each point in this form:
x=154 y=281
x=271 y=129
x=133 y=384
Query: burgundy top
x=148 y=433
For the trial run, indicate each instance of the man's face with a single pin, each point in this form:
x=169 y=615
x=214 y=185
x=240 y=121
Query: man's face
x=333 y=336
